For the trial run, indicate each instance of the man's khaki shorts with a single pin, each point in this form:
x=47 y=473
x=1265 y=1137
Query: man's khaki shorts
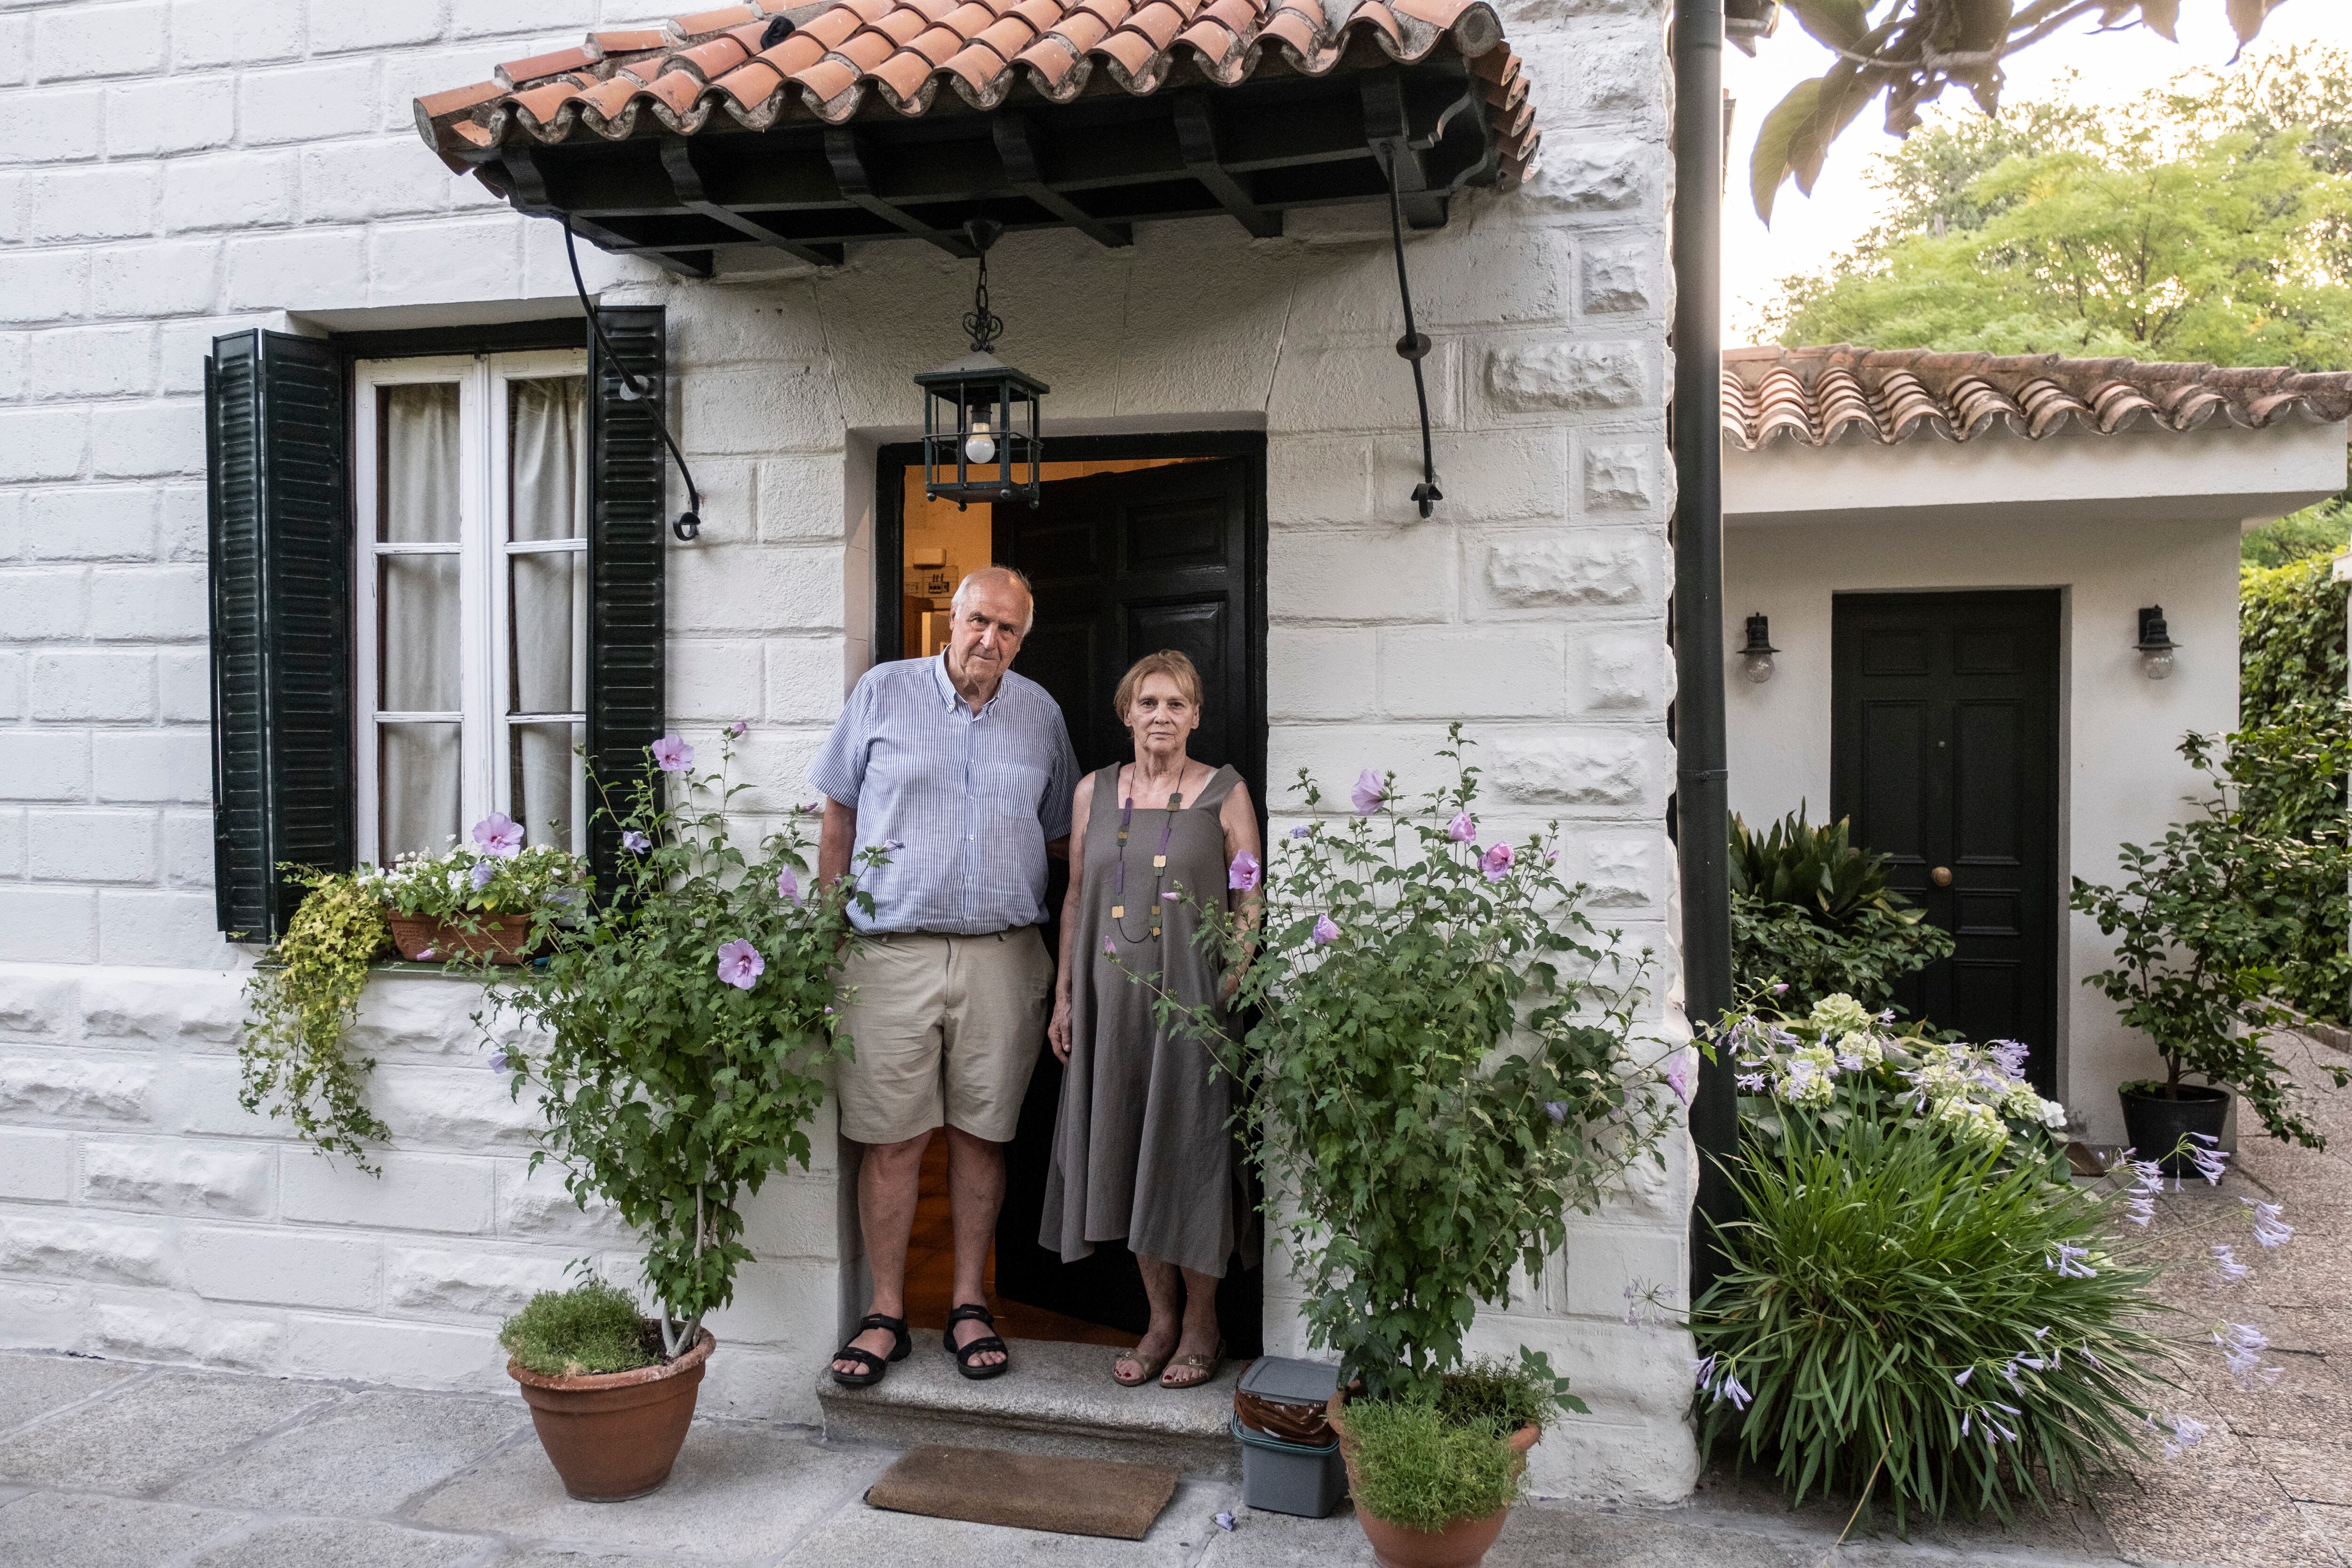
x=947 y=1030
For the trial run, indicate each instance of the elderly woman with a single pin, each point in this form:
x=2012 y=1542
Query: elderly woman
x=1142 y=1152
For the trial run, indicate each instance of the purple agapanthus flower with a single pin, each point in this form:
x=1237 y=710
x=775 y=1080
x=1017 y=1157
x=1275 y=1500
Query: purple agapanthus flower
x=1965 y=1373
x=673 y=755
x=634 y=842
x=1678 y=1073
x=1496 y=862
x=481 y=874
x=2242 y=1345
x=1750 y=1082
x=498 y=834
x=1370 y=793
x=1731 y=1390
x=1243 y=873
x=1462 y=829
x=2212 y=1163
x=2008 y=1056
x=2227 y=1270
x=2269 y=1228
x=740 y=964
x=2177 y=1433
x=2068 y=1262
x=1325 y=933
x=788 y=887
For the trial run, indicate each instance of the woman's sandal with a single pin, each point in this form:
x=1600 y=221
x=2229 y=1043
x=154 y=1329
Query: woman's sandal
x=972 y=1312
x=1206 y=1366
x=901 y=1348
x=1150 y=1365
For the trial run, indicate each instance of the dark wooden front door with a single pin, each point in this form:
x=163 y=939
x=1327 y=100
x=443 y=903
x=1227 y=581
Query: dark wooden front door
x=1126 y=564
x=1944 y=752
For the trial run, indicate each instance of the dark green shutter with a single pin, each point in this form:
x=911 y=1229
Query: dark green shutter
x=278 y=506
x=626 y=701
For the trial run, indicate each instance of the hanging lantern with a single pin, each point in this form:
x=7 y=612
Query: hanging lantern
x=979 y=415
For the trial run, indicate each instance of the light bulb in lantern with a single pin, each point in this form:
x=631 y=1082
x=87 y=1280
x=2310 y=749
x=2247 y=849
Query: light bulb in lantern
x=2156 y=663
x=980 y=447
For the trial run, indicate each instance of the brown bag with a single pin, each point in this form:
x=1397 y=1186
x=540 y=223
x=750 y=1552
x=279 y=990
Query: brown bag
x=1302 y=1424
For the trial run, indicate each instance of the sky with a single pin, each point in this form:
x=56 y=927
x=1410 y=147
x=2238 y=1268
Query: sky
x=1807 y=233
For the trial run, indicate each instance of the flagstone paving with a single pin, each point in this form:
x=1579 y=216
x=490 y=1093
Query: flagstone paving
x=114 y=1465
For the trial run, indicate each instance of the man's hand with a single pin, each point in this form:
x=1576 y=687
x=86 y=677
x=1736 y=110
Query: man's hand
x=1058 y=1033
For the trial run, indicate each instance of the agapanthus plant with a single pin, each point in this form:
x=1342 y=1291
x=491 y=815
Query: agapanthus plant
x=682 y=1023
x=1839 y=1060
x=1443 y=1063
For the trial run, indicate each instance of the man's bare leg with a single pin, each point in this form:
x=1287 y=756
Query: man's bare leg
x=888 y=1183
x=976 y=1192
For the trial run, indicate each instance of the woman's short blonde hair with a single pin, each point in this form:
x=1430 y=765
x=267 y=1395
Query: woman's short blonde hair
x=1167 y=662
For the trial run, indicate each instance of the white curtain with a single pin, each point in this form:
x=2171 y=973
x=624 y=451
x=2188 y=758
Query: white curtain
x=419 y=642
x=546 y=602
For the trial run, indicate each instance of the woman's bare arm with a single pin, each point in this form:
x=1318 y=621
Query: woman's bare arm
x=1238 y=818
x=1058 y=1033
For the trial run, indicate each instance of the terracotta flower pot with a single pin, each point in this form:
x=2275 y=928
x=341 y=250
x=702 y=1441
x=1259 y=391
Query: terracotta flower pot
x=613 y=1435
x=502 y=939
x=1463 y=1544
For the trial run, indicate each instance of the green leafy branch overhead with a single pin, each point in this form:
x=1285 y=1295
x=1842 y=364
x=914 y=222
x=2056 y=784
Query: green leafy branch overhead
x=1909 y=51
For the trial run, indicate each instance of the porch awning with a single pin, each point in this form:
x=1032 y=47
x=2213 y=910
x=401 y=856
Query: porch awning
x=802 y=130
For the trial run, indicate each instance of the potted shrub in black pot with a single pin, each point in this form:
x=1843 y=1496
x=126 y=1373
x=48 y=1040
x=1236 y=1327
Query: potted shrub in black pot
x=676 y=1032
x=1443 y=1065
x=2206 y=918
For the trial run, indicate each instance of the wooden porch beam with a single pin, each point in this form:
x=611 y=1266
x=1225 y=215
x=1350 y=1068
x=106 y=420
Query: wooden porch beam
x=1196 y=135
x=1017 y=145
x=677 y=158
x=842 y=151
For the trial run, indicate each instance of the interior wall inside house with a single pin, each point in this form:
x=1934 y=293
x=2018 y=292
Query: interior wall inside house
x=2121 y=782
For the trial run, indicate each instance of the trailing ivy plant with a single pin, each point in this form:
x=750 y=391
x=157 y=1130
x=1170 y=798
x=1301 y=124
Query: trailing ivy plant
x=2212 y=915
x=1441 y=1065
x=291 y=1061
x=680 y=1027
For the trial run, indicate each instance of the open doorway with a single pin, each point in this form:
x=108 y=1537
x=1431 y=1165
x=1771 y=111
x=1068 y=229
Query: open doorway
x=1137 y=544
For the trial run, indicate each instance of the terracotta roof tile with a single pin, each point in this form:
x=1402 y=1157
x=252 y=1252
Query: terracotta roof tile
x=1819 y=396
x=685 y=73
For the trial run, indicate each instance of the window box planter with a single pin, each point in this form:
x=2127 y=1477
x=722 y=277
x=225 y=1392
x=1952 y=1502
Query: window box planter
x=500 y=938
x=613 y=1435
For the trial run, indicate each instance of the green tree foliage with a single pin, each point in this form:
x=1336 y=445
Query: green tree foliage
x=2122 y=240
x=1909 y=51
x=2290 y=641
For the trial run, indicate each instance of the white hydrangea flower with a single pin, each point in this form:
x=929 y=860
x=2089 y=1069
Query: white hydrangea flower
x=2023 y=1104
x=1864 y=1046
x=1808 y=1076
x=2053 y=1116
x=1973 y=1123
x=1838 y=1013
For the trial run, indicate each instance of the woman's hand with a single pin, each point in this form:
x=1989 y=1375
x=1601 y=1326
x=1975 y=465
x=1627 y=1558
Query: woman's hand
x=1231 y=983
x=1058 y=1033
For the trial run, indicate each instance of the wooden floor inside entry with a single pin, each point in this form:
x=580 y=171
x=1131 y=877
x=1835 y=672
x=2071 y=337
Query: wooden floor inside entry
x=930 y=1273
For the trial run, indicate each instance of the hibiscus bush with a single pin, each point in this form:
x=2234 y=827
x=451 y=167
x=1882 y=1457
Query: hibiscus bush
x=676 y=1032
x=1441 y=1065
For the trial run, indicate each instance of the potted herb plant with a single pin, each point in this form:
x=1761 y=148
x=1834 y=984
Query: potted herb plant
x=610 y=1408
x=2207 y=918
x=476 y=902
x=685 y=1020
x=1437 y=1046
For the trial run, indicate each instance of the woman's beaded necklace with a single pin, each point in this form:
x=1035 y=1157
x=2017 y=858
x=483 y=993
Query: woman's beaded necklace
x=1158 y=866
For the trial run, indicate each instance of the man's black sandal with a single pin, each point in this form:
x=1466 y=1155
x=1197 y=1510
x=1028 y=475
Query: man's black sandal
x=901 y=1347
x=973 y=1314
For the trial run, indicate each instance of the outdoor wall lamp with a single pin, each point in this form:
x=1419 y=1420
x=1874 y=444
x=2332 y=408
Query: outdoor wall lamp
x=979 y=415
x=1756 y=659
x=2155 y=645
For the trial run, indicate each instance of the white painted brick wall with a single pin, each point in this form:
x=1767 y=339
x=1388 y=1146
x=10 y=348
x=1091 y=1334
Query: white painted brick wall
x=170 y=170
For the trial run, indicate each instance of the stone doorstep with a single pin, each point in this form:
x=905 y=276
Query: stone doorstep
x=1058 y=1399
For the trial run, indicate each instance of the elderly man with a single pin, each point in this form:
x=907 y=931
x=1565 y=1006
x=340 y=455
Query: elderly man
x=963 y=772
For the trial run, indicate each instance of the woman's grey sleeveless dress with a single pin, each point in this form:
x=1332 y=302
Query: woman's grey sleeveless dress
x=1142 y=1152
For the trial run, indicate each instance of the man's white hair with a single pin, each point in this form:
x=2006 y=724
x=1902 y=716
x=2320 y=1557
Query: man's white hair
x=996 y=574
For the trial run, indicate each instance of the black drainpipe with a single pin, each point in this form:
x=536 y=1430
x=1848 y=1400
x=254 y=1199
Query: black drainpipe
x=1701 y=794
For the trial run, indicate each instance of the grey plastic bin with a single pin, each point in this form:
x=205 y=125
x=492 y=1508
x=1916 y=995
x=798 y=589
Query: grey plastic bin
x=1290 y=1477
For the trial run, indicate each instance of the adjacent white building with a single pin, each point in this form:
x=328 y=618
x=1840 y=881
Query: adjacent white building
x=439 y=547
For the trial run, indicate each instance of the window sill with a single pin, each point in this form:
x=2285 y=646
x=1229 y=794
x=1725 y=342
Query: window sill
x=430 y=970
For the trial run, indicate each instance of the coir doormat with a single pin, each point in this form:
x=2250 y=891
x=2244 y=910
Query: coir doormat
x=1027 y=1491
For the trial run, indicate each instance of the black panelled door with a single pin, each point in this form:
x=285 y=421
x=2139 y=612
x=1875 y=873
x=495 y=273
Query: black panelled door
x=1126 y=564
x=1944 y=752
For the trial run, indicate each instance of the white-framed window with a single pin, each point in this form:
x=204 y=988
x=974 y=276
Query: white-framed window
x=472 y=597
